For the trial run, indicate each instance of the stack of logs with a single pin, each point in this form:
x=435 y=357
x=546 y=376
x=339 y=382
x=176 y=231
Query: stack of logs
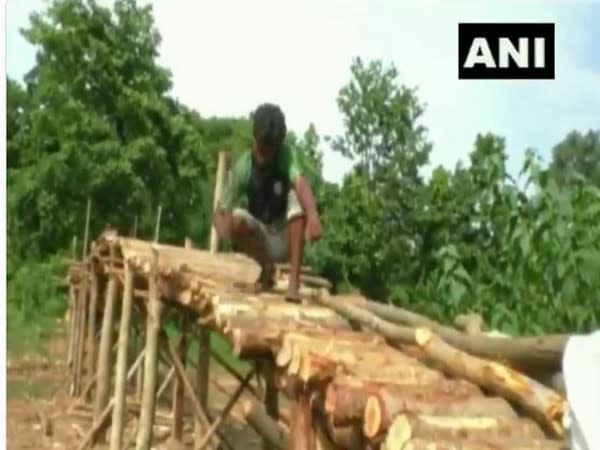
x=359 y=374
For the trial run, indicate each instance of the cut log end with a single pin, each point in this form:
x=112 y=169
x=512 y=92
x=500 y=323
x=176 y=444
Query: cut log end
x=399 y=433
x=372 y=417
x=423 y=336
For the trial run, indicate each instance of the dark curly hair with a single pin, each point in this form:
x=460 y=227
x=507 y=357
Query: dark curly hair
x=268 y=125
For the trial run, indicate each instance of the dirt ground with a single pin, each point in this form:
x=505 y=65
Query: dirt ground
x=41 y=414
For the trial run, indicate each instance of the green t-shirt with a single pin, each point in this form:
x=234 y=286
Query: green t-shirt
x=286 y=163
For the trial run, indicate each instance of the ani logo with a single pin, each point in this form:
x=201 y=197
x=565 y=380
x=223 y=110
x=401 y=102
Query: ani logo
x=278 y=188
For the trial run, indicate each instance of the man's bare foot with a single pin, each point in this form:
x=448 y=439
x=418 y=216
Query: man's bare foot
x=293 y=294
x=266 y=279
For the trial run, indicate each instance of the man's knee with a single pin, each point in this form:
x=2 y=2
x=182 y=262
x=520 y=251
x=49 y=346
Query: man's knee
x=230 y=226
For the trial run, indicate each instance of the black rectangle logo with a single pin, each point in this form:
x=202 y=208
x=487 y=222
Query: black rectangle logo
x=506 y=51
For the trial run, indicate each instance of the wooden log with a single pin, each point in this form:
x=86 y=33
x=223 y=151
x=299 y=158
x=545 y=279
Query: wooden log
x=346 y=397
x=153 y=326
x=380 y=411
x=271 y=432
x=349 y=437
x=178 y=391
x=545 y=405
x=469 y=323
x=400 y=436
x=105 y=354
x=525 y=353
x=224 y=310
x=341 y=345
x=118 y=425
x=463 y=427
x=92 y=313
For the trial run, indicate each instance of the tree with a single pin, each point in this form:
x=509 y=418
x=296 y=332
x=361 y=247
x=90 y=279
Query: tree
x=578 y=153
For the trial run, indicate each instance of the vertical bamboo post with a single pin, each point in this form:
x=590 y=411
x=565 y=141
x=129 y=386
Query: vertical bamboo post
x=153 y=319
x=87 y=228
x=139 y=376
x=116 y=437
x=71 y=312
x=219 y=182
x=271 y=394
x=105 y=351
x=93 y=310
x=81 y=335
x=72 y=324
x=75 y=338
x=178 y=388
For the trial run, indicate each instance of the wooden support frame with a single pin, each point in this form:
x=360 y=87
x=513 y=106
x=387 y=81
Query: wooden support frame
x=104 y=355
x=153 y=328
x=116 y=437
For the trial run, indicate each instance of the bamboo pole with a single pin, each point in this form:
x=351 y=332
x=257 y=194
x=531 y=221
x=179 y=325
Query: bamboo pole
x=139 y=376
x=153 y=324
x=202 y=369
x=103 y=417
x=271 y=394
x=200 y=412
x=219 y=182
x=105 y=354
x=178 y=391
x=91 y=335
x=87 y=228
x=226 y=410
x=165 y=383
x=72 y=321
x=116 y=436
x=81 y=336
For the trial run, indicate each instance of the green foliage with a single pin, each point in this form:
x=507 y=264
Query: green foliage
x=94 y=119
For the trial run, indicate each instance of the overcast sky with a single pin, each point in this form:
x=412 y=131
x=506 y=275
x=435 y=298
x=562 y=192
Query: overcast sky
x=227 y=56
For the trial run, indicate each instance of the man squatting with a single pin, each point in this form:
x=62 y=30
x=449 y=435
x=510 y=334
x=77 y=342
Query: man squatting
x=280 y=211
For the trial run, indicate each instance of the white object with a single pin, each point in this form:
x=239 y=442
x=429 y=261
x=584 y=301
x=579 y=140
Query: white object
x=581 y=371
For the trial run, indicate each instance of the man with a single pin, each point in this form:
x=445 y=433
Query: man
x=280 y=212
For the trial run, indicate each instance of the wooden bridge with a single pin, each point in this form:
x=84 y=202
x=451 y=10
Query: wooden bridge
x=356 y=374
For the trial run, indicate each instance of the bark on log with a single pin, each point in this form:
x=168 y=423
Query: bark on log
x=465 y=427
x=349 y=437
x=302 y=431
x=380 y=411
x=257 y=417
x=525 y=353
x=346 y=397
x=401 y=436
x=545 y=405
x=469 y=323
x=224 y=310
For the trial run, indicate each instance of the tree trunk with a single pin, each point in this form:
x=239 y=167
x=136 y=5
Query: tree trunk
x=346 y=397
x=545 y=405
x=380 y=410
x=526 y=353
x=437 y=427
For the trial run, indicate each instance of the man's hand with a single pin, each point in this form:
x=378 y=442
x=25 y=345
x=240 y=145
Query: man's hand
x=313 y=227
